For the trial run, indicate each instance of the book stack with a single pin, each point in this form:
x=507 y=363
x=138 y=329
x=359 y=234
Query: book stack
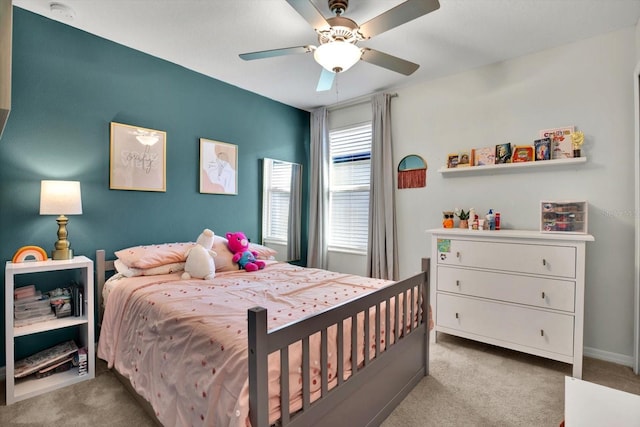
x=30 y=306
x=61 y=301
x=58 y=358
x=83 y=366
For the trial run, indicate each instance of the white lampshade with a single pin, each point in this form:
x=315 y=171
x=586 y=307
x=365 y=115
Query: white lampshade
x=337 y=56
x=60 y=198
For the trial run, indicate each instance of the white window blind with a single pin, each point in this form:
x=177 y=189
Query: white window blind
x=278 y=193
x=350 y=166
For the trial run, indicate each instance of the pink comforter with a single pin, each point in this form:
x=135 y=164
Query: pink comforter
x=183 y=344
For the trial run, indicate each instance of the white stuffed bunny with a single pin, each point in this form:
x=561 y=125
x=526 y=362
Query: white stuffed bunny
x=200 y=263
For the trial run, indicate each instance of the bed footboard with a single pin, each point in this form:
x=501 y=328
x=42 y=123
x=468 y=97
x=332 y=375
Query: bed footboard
x=376 y=386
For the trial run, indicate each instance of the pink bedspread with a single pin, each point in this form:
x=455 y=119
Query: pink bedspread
x=183 y=344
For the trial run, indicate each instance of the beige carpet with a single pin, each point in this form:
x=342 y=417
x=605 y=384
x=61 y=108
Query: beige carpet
x=471 y=384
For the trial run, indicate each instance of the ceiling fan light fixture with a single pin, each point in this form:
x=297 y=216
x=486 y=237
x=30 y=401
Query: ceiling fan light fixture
x=337 y=56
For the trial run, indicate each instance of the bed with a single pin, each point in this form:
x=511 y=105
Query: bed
x=263 y=348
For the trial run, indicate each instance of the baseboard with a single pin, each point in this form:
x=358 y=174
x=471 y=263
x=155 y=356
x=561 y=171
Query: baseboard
x=607 y=356
x=620 y=359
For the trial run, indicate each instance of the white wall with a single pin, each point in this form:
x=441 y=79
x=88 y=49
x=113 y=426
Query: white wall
x=588 y=84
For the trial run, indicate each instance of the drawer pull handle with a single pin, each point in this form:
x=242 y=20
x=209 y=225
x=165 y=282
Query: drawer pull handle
x=457 y=282
x=541 y=332
x=544 y=261
x=457 y=254
x=543 y=296
x=457 y=316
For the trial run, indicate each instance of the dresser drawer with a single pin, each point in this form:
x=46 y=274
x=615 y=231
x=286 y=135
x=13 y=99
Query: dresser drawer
x=534 y=291
x=547 y=260
x=543 y=330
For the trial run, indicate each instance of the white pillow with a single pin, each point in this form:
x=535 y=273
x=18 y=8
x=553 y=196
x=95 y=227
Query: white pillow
x=148 y=256
x=122 y=268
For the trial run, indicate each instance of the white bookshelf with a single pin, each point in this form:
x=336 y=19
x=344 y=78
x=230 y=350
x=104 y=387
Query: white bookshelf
x=23 y=388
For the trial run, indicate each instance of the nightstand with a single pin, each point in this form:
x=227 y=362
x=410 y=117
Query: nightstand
x=82 y=269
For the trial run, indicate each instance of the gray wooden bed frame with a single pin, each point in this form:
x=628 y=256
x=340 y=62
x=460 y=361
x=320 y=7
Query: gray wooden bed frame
x=374 y=388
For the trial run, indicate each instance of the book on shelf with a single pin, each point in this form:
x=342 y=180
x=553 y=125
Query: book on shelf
x=44 y=358
x=522 y=153
x=561 y=146
x=31 y=320
x=61 y=301
x=484 y=156
x=503 y=153
x=543 y=148
x=62 y=366
x=24 y=292
x=83 y=362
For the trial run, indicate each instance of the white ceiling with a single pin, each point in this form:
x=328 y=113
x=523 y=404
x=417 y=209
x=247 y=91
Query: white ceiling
x=207 y=35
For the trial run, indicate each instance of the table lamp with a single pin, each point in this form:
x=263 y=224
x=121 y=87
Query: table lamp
x=61 y=198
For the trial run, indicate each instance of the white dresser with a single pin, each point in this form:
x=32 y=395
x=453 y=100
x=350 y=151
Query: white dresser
x=518 y=289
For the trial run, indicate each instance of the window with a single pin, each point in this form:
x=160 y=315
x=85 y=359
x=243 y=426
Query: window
x=277 y=189
x=349 y=175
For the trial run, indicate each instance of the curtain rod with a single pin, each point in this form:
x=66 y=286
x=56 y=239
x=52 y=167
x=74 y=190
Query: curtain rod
x=357 y=101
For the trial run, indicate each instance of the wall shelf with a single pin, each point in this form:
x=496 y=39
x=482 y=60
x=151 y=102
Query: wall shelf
x=512 y=166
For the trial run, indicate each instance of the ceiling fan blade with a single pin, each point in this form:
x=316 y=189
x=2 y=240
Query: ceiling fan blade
x=310 y=13
x=276 y=52
x=401 y=14
x=387 y=61
x=326 y=80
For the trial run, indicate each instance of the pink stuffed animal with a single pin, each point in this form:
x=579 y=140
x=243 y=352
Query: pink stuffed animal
x=239 y=246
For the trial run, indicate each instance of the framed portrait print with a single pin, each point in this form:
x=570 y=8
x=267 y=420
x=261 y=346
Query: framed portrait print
x=137 y=159
x=218 y=167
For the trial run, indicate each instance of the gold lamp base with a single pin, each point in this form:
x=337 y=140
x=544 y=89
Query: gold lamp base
x=62 y=250
x=61 y=254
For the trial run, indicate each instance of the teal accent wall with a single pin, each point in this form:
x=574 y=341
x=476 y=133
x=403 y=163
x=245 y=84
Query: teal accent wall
x=69 y=85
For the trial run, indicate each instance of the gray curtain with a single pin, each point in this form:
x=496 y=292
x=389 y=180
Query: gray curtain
x=295 y=208
x=382 y=251
x=319 y=177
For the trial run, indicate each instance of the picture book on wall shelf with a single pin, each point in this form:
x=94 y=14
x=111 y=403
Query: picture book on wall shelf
x=543 y=148
x=561 y=147
x=522 y=153
x=503 y=153
x=484 y=156
x=463 y=160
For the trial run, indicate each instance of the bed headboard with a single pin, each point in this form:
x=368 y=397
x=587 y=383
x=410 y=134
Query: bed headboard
x=102 y=267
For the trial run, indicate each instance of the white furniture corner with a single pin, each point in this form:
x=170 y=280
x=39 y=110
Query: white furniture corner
x=517 y=289
x=592 y=405
x=20 y=389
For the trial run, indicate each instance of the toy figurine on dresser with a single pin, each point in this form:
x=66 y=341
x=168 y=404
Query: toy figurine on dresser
x=447 y=219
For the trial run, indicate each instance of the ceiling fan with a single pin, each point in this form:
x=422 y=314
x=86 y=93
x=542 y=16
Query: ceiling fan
x=338 y=35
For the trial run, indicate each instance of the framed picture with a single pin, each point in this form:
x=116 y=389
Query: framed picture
x=218 y=167
x=503 y=153
x=452 y=160
x=137 y=159
x=522 y=153
x=543 y=148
